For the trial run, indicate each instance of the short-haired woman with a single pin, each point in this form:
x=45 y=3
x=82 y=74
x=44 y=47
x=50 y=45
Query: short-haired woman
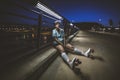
x=58 y=43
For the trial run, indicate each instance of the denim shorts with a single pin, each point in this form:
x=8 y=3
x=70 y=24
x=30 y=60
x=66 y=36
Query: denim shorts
x=55 y=43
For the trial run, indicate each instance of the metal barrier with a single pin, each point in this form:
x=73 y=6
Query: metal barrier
x=24 y=27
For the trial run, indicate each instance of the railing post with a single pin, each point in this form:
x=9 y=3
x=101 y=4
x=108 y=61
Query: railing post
x=39 y=31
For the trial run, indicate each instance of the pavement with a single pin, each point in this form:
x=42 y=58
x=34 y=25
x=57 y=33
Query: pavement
x=107 y=33
x=104 y=65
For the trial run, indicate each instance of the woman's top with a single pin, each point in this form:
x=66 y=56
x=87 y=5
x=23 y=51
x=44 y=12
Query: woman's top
x=59 y=35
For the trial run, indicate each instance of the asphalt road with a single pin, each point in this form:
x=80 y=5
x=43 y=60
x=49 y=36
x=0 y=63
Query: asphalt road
x=105 y=65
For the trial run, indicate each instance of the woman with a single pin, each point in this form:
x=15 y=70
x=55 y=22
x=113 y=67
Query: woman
x=58 y=42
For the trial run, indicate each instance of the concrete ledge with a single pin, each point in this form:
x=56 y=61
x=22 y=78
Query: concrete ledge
x=27 y=66
x=72 y=36
x=42 y=67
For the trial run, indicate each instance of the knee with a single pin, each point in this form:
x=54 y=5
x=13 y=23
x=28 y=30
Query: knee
x=69 y=47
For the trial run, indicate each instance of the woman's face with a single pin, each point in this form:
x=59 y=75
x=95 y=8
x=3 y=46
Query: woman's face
x=57 y=25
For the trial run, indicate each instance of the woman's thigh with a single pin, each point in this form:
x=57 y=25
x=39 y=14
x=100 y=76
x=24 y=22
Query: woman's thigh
x=60 y=48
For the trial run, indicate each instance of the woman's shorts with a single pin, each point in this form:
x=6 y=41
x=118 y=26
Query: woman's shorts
x=55 y=43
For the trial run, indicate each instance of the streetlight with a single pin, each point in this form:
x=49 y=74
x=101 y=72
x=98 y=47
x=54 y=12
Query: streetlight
x=100 y=23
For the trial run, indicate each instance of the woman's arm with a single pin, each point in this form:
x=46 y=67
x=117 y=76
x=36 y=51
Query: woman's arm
x=58 y=41
x=55 y=38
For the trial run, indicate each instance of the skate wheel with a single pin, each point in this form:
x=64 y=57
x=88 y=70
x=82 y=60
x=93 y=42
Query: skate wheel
x=76 y=63
x=79 y=62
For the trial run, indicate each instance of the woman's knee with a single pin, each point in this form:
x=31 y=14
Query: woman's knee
x=69 y=46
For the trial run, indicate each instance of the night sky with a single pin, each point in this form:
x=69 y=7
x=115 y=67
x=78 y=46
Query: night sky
x=87 y=10
x=74 y=10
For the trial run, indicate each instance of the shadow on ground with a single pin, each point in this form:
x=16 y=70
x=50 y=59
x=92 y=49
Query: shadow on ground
x=80 y=74
x=97 y=58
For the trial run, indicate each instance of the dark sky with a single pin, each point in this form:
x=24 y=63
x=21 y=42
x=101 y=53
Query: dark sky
x=87 y=10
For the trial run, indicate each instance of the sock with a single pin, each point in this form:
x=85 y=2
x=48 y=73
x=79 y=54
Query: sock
x=65 y=57
x=87 y=52
x=77 y=51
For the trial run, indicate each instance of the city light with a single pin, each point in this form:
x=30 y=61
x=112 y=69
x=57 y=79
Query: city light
x=71 y=24
x=48 y=11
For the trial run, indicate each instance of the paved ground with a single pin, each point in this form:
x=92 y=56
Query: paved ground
x=108 y=33
x=104 y=66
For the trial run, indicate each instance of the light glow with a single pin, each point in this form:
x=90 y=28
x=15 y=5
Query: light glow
x=48 y=11
x=71 y=24
x=44 y=15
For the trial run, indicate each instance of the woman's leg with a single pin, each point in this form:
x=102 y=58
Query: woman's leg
x=65 y=56
x=72 y=49
x=62 y=52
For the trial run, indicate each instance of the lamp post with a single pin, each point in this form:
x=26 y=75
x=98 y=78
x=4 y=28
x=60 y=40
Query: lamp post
x=100 y=22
